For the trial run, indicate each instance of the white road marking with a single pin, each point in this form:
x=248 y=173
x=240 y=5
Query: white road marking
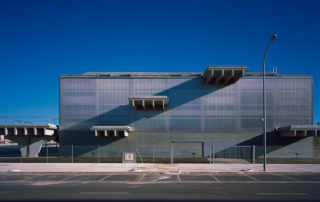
x=105 y=178
x=283 y=193
x=164 y=177
x=179 y=178
x=111 y=193
x=218 y=192
x=214 y=177
x=63 y=179
x=253 y=178
x=289 y=178
x=140 y=179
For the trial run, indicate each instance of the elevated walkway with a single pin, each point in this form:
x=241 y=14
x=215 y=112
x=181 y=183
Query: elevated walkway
x=29 y=136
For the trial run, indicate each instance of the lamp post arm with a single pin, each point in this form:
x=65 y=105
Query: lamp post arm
x=265 y=55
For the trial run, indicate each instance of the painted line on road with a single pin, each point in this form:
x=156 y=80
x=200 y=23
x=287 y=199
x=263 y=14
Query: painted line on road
x=289 y=178
x=253 y=178
x=214 y=177
x=104 y=178
x=64 y=179
x=283 y=194
x=216 y=182
x=111 y=193
x=142 y=176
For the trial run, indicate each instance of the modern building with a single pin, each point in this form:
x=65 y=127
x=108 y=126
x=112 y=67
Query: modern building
x=190 y=114
x=190 y=111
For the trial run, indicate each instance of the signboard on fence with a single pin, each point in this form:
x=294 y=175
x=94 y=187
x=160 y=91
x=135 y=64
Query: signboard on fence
x=128 y=157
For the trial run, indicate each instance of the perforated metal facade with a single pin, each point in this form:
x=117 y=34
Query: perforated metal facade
x=194 y=105
x=197 y=111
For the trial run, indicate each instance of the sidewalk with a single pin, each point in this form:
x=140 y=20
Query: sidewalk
x=148 y=167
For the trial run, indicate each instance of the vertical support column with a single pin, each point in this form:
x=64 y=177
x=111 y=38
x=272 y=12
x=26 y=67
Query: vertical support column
x=25 y=131
x=5 y=131
x=133 y=104
x=171 y=159
x=96 y=133
x=15 y=131
x=98 y=154
x=71 y=153
x=212 y=153
x=220 y=77
x=143 y=104
x=153 y=154
x=153 y=105
x=125 y=133
x=21 y=153
x=47 y=151
x=105 y=133
x=209 y=77
x=29 y=148
x=253 y=154
x=115 y=133
x=230 y=77
x=162 y=104
x=35 y=132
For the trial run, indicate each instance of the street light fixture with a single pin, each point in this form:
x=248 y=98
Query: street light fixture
x=273 y=37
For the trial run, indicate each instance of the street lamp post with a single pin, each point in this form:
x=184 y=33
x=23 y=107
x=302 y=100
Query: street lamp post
x=273 y=37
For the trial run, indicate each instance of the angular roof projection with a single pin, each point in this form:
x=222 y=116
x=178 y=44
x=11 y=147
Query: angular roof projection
x=299 y=130
x=127 y=128
x=111 y=130
x=224 y=74
x=28 y=125
x=28 y=129
x=147 y=102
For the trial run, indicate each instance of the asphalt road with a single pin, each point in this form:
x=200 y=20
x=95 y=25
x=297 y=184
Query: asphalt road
x=157 y=186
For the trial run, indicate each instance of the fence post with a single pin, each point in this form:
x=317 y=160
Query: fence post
x=153 y=154
x=171 y=160
x=98 y=153
x=72 y=153
x=212 y=153
x=253 y=154
x=21 y=153
x=47 y=151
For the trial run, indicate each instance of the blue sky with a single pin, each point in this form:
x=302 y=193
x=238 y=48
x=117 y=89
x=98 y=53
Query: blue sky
x=40 y=40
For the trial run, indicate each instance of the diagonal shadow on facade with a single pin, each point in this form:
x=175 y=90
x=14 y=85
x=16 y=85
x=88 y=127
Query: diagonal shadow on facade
x=80 y=134
x=244 y=149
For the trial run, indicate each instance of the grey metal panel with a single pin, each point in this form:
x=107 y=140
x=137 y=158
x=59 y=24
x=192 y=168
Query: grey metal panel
x=194 y=105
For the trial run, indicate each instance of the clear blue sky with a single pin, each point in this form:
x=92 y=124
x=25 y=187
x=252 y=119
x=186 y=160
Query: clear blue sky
x=40 y=40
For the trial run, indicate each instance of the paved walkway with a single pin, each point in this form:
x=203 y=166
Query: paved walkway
x=148 y=167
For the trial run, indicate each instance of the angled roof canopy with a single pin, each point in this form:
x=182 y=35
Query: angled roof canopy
x=115 y=131
x=224 y=74
x=28 y=129
x=299 y=130
x=149 y=102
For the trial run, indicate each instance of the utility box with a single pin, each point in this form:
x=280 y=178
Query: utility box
x=128 y=157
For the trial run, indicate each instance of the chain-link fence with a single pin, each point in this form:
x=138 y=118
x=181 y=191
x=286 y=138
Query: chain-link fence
x=176 y=152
